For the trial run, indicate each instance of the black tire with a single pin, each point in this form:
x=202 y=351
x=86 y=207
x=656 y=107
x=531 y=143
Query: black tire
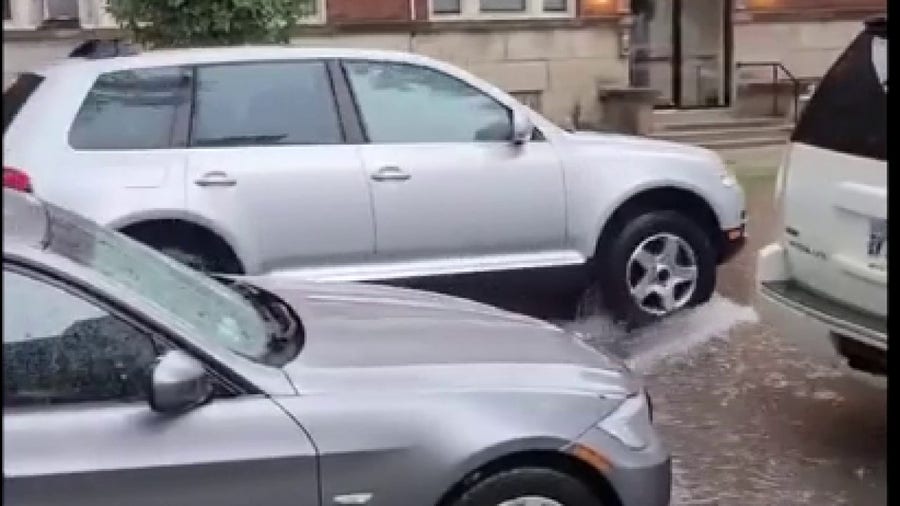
x=188 y=244
x=612 y=260
x=193 y=259
x=525 y=482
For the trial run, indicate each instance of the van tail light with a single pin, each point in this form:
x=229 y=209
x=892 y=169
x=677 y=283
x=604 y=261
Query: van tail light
x=16 y=180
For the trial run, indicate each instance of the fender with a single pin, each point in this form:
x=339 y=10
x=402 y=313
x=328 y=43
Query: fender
x=245 y=253
x=587 y=245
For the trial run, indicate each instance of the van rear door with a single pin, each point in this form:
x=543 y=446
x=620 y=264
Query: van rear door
x=834 y=181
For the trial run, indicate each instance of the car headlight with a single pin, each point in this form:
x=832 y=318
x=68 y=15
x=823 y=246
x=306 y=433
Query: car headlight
x=630 y=423
x=728 y=180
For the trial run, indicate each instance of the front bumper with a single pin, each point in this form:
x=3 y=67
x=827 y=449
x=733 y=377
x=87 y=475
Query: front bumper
x=640 y=474
x=732 y=242
x=819 y=326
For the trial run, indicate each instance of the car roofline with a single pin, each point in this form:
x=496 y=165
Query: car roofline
x=234 y=54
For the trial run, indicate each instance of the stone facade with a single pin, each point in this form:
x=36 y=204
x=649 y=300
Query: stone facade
x=559 y=59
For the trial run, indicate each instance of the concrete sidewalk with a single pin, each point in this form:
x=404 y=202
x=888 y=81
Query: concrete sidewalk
x=754 y=162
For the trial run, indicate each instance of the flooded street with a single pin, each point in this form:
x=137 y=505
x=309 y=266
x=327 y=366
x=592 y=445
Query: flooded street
x=751 y=421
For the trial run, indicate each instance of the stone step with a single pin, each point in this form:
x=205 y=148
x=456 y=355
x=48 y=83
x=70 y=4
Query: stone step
x=750 y=142
x=716 y=124
x=692 y=136
x=667 y=116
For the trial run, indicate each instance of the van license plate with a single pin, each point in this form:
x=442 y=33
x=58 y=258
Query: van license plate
x=878 y=238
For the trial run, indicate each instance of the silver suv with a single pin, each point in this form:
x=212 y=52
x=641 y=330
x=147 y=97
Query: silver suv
x=342 y=164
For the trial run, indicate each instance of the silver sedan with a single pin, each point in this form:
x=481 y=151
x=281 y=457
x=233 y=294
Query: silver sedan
x=129 y=379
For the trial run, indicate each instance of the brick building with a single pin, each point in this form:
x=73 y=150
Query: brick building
x=553 y=54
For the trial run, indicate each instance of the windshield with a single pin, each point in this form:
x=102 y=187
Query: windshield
x=206 y=307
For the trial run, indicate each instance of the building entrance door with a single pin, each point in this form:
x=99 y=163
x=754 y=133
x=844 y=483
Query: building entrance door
x=682 y=49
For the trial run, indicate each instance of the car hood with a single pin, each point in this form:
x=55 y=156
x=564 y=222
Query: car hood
x=370 y=337
x=620 y=142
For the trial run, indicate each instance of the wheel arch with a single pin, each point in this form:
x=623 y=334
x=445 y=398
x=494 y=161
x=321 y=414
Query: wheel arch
x=146 y=228
x=669 y=197
x=553 y=459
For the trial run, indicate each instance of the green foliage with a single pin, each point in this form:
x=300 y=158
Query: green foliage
x=183 y=23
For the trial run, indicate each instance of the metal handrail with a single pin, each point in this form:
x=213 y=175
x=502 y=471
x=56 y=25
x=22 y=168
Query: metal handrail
x=776 y=66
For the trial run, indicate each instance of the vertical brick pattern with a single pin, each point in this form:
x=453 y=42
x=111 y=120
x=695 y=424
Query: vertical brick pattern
x=367 y=11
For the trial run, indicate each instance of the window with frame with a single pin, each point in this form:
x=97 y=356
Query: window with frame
x=502 y=5
x=265 y=104
x=468 y=9
x=59 y=348
x=133 y=109
x=403 y=103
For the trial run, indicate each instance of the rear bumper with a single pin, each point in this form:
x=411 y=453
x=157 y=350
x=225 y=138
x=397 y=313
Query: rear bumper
x=818 y=325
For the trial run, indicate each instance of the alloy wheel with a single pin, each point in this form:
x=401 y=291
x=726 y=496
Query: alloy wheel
x=662 y=274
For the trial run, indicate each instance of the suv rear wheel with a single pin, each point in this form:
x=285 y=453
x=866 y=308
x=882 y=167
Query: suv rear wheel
x=189 y=244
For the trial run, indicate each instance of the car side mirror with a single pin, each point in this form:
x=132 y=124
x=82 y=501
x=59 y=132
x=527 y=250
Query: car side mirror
x=523 y=128
x=179 y=382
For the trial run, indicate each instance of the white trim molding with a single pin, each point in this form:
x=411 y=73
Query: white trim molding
x=470 y=10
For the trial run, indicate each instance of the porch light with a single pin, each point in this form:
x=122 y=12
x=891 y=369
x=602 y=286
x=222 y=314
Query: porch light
x=761 y=4
x=595 y=7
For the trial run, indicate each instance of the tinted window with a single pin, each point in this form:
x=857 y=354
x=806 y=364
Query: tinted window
x=446 y=6
x=16 y=96
x=59 y=348
x=848 y=112
x=265 y=104
x=502 y=5
x=407 y=103
x=132 y=109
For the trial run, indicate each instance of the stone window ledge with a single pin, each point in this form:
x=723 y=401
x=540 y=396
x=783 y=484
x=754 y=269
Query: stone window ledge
x=804 y=15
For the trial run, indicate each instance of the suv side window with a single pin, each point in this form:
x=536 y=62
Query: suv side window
x=264 y=104
x=848 y=112
x=61 y=349
x=133 y=109
x=403 y=103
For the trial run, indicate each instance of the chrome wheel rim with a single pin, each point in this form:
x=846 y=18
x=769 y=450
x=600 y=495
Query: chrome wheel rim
x=531 y=500
x=662 y=274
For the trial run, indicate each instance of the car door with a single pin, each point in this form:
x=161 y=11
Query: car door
x=268 y=164
x=78 y=429
x=447 y=183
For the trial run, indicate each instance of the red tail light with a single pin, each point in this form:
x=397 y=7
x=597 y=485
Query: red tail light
x=16 y=179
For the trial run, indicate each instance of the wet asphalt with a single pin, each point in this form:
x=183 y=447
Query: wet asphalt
x=749 y=419
x=752 y=421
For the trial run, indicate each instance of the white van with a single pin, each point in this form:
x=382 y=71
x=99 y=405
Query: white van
x=824 y=283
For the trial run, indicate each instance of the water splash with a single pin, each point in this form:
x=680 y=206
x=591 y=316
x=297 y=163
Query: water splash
x=673 y=336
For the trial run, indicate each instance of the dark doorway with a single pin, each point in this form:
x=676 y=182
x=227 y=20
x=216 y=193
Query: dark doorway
x=682 y=48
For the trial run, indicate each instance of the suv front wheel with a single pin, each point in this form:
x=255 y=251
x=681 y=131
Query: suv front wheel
x=658 y=263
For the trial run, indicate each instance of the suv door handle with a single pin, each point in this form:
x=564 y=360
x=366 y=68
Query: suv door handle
x=215 y=178
x=390 y=174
